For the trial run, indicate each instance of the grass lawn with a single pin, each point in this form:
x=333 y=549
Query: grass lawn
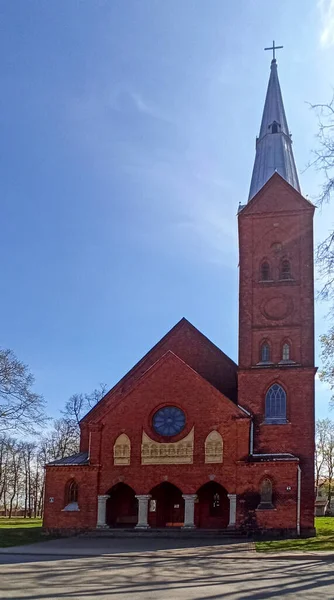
x=16 y=532
x=324 y=539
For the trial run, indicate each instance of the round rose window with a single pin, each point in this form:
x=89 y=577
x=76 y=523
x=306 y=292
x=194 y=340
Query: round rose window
x=169 y=421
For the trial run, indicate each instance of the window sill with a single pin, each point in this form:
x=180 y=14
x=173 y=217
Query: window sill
x=266 y=280
x=265 y=506
x=72 y=507
x=265 y=363
x=287 y=363
x=278 y=422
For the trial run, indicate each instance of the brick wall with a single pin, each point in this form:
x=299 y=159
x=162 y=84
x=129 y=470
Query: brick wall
x=55 y=488
x=278 y=224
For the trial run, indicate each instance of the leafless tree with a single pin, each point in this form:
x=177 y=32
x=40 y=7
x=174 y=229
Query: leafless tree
x=324 y=152
x=22 y=462
x=21 y=409
x=321 y=429
x=79 y=404
x=324 y=162
x=324 y=463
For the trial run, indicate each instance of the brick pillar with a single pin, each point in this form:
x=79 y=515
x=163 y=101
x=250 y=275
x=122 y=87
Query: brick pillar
x=101 y=512
x=189 y=510
x=95 y=432
x=143 y=500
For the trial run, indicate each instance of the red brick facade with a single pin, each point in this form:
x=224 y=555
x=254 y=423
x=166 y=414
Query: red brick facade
x=185 y=370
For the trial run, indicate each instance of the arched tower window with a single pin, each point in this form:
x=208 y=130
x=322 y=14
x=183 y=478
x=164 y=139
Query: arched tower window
x=275 y=405
x=286 y=351
x=285 y=272
x=265 y=271
x=274 y=127
x=266 y=494
x=265 y=352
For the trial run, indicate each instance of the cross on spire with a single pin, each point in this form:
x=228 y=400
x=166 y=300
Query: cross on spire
x=273 y=48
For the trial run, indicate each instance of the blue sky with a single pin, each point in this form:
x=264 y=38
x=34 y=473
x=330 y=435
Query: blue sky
x=128 y=138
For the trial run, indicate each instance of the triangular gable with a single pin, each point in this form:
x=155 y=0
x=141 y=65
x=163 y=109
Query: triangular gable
x=212 y=364
x=175 y=364
x=277 y=195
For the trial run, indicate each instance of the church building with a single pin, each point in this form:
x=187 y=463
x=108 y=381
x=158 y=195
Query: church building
x=188 y=438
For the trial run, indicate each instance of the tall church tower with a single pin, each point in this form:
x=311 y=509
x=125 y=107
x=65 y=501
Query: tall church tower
x=276 y=306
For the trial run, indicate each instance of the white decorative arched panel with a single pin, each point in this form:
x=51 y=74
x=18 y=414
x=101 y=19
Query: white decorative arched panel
x=122 y=450
x=214 y=448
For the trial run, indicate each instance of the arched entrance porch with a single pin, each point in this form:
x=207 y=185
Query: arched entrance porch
x=212 y=508
x=166 y=506
x=121 y=506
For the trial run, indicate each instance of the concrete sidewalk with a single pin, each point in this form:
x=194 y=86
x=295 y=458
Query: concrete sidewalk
x=195 y=573
x=85 y=546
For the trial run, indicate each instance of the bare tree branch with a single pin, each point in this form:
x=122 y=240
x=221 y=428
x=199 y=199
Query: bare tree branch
x=21 y=409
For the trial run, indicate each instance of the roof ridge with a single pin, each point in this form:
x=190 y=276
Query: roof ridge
x=156 y=365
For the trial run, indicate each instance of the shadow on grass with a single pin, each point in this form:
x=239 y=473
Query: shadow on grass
x=324 y=540
x=21 y=535
x=321 y=542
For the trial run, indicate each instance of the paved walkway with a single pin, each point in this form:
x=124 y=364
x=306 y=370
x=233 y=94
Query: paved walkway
x=160 y=570
x=94 y=546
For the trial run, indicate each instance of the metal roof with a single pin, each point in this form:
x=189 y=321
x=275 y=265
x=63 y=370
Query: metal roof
x=76 y=459
x=274 y=145
x=273 y=457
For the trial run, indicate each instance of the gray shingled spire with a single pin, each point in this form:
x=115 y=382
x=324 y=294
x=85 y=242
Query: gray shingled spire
x=274 y=145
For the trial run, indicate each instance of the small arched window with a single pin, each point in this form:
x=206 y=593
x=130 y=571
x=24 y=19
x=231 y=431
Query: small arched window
x=274 y=127
x=265 y=271
x=286 y=351
x=285 y=269
x=266 y=494
x=265 y=352
x=72 y=492
x=275 y=405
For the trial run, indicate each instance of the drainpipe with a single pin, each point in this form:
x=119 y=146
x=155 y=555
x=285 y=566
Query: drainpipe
x=251 y=438
x=299 y=479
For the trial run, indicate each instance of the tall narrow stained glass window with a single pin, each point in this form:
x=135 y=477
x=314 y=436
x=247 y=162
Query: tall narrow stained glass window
x=275 y=408
x=265 y=271
x=72 y=492
x=265 y=352
x=285 y=269
x=266 y=494
x=286 y=351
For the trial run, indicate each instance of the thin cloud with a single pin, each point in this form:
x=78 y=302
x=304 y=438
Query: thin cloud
x=148 y=109
x=123 y=98
x=195 y=203
x=327 y=23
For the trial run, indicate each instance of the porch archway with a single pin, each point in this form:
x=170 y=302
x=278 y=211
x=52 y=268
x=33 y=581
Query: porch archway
x=122 y=506
x=166 y=507
x=212 y=507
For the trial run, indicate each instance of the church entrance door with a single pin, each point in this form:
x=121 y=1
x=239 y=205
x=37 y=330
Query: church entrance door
x=213 y=506
x=166 y=507
x=122 y=506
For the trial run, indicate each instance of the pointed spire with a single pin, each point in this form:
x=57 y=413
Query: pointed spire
x=274 y=145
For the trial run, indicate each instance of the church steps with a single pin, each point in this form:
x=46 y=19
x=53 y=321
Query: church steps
x=174 y=532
